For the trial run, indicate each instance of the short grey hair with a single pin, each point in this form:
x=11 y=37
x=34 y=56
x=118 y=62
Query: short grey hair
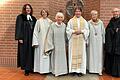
x=59 y=14
x=94 y=11
x=115 y=9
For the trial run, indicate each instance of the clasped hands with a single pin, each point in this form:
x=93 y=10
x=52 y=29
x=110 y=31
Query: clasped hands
x=77 y=32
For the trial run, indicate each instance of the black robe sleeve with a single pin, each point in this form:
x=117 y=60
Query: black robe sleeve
x=18 y=28
x=108 y=38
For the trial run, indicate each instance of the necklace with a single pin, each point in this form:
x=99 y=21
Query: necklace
x=95 y=30
x=93 y=24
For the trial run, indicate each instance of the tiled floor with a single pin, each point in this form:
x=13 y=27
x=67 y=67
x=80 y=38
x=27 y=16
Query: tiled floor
x=17 y=74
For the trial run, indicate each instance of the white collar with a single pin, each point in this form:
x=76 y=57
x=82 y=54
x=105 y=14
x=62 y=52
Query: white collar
x=58 y=24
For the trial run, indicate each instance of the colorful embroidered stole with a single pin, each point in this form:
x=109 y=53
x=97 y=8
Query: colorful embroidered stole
x=77 y=44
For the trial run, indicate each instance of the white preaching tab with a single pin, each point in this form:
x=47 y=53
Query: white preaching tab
x=29 y=17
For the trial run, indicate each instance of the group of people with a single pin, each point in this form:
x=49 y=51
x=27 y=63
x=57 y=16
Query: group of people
x=42 y=43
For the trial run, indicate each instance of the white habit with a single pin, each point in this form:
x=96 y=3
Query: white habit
x=56 y=45
x=41 y=62
x=95 y=46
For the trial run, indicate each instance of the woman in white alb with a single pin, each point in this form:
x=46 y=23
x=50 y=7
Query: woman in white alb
x=41 y=62
x=95 y=44
x=55 y=45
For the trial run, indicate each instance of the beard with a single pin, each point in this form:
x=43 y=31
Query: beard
x=116 y=16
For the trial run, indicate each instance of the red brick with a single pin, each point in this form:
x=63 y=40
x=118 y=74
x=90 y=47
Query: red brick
x=9 y=11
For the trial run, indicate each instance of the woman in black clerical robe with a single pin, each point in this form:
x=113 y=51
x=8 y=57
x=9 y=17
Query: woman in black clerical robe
x=112 y=47
x=25 y=23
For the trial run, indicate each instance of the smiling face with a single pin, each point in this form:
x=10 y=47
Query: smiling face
x=59 y=17
x=28 y=9
x=116 y=12
x=94 y=15
x=78 y=13
x=44 y=14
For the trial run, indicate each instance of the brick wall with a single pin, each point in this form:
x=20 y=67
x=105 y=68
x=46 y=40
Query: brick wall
x=90 y=5
x=55 y=6
x=106 y=7
x=8 y=13
x=10 y=9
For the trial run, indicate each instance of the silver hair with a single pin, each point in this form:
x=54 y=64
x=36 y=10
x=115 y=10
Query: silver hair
x=115 y=9
x=59 y=14
x=94 y=11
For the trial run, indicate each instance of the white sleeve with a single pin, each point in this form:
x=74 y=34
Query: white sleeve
x=35 y=34
x=69 y=29
x=103 y=32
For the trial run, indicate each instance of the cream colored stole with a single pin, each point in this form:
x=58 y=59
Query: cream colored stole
x=77 y=43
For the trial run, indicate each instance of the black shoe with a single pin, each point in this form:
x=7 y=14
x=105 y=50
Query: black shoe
x=73 y=74
x=26 y=73
x=79 y=74
x=31 y=71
